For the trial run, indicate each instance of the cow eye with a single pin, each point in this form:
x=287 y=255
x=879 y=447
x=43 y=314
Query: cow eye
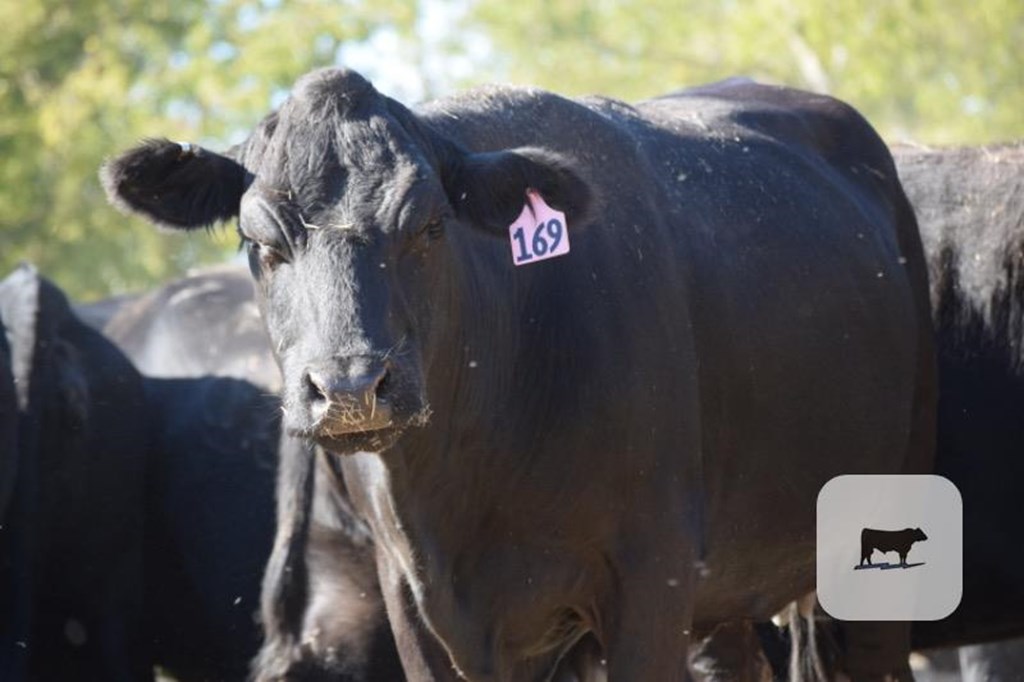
x=433 y=229
x=266 y=256
x=263 y=246
x=269 y=256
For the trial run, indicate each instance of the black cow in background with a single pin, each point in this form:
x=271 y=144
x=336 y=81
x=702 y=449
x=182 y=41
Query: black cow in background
x=204 y=323
x=210 y=514
x=970 y=206
x=73 y=532
x=8 y=424
x=98 y=314
x=211 y=503
x=212 y=465
x=15 y=609
x=993 y=662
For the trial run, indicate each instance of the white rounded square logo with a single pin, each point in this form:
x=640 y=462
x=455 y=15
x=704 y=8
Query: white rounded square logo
x=889 y=547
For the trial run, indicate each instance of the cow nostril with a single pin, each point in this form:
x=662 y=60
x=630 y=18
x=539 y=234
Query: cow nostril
x=323 y=388
x=383 y=382
x=341 y=398
x=316 y=388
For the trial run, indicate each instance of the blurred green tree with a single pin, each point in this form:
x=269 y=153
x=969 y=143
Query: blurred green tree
x=934 y=71
x=80 y=80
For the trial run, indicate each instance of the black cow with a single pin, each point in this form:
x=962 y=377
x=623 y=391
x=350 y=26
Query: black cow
x=210 y=515
x=210 y=504
x=15 y=610
x=970 y=204
x=610 y=449
x=8 y=424
x=993 y=662
x=74 y=531
x=899 y=541
x=205 y=323
x=970 y=207
x=98 y=314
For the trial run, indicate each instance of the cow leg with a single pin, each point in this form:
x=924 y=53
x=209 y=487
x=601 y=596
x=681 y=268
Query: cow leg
x=650 y=638
x=993 y=661
x=813 y=648
x=423 y=657
x=645 y=649
x=583 y=663
x=861 y=651
x=876 y=651
x=731 y=653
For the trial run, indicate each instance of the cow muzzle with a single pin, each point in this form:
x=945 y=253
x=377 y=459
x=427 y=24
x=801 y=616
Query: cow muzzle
x=350 y=396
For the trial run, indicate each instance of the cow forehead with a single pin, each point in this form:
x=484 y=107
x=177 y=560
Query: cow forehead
x=338 y=153
x=329 y=91
x=355 y=165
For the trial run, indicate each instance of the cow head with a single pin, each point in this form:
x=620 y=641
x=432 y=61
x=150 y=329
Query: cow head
x=59 y=367
x=919 y=535
x=33 y=311
x=348 y=204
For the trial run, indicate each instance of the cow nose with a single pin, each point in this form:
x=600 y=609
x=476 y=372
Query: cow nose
x=346 y=388
x=347 y=395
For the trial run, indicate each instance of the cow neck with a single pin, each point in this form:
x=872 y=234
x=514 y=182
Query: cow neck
x=437 y=480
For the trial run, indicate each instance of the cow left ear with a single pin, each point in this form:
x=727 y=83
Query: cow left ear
x=488 y=190
x=19 y=312
x=176 y=185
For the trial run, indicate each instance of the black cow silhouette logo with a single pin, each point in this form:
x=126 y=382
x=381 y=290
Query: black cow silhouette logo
x=898 y=541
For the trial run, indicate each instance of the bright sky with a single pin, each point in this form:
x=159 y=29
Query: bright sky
x=411 y=73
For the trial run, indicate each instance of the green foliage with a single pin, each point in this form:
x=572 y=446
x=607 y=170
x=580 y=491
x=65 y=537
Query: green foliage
x=81 y=80
x=936 y=71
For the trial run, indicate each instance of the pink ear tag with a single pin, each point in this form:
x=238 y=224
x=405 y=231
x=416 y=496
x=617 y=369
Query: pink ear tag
x=539 y=232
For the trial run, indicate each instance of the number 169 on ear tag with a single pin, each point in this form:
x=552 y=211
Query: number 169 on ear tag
x=539 y=232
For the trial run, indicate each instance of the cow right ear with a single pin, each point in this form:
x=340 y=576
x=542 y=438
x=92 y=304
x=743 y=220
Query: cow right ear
x=176 y=185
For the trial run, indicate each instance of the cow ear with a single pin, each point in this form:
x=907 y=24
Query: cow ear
x=488 y=190
x=180 y=186
x=19 y=311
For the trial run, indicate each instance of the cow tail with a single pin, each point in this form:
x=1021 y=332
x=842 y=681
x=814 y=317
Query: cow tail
x=285 y=581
